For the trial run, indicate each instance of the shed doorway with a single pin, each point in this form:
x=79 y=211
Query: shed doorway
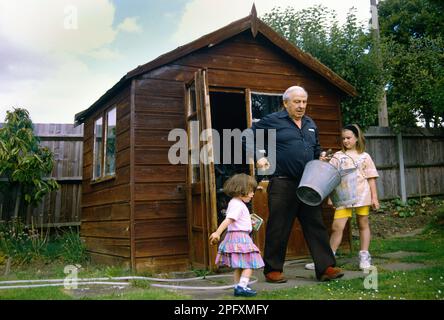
x=228 y=112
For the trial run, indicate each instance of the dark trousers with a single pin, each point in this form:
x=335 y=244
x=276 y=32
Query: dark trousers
x=284 y=207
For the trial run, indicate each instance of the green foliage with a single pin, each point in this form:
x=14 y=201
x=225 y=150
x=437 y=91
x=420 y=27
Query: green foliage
x=73 y=250
x=26 y=244
x=413 y=39
x=20 y=243
x=348 y=50
x=23 y=162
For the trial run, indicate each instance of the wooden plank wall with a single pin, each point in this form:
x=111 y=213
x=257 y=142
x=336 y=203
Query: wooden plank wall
x=160 y=226
x=423 y=152
x=240 y=62
x=105 y=219
x=61 y=207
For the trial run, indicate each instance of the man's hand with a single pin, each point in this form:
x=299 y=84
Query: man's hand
x=263 y=164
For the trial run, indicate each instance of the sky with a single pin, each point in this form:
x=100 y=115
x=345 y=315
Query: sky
x=57 y=57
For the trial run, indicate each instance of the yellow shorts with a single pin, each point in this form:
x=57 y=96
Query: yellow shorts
x=347 y=212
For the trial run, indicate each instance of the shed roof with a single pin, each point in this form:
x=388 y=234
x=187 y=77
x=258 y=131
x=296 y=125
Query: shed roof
x=256 y=26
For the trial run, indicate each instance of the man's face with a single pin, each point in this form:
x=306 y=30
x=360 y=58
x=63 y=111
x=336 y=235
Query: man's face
x=296 y=104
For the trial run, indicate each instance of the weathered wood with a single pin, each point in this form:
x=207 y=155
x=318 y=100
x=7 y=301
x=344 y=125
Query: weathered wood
x=110 y=195
x=160 y=210
x=161 y=88
x=106 y=229
x=163 y=264
x=166 y=122
x=116 y=211
x=151 y=155
x=161 y=247
x=423 y=170
x=160 y=228
x=155 y=105
x=114 y=247
x=168 y=173
x=157 y=191
x=152 y=138
x=105 y=259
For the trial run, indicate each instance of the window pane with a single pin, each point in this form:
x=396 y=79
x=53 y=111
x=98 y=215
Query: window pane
x=98 y=144
x=110 y=158
x=262 y=104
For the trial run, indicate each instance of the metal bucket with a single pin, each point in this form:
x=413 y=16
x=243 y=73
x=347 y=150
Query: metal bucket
x=345 y=194
x=319 y=179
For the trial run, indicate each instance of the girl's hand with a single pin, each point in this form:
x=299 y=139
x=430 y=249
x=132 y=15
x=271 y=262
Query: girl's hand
x=330 y=203
x=214 y=238
x=375 y=204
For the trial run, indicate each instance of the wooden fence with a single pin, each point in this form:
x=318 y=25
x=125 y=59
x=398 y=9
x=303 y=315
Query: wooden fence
x=410 y=164
x=61 y=207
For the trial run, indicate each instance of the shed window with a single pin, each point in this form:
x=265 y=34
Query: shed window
x=104 y=164
x=98 y=147
x=110 y=156
x=263 y=104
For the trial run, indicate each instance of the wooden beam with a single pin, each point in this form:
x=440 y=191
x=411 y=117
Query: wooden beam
x=254 y=21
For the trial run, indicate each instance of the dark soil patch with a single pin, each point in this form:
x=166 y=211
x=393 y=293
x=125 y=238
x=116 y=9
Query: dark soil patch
x=394 y=220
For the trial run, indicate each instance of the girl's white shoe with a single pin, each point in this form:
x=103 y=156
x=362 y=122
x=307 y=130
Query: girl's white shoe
x=365 y=260
x=310 y=266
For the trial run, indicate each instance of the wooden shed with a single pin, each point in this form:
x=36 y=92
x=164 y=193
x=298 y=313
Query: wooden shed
x=140 y=210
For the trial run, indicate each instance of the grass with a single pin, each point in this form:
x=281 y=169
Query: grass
x=419 y=284
x=423 y=284
x=138 y=290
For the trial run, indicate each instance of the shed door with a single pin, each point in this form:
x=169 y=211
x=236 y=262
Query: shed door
x=201 y=187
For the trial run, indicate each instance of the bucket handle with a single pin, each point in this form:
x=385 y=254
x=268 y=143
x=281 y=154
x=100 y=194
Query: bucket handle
x=339 y=161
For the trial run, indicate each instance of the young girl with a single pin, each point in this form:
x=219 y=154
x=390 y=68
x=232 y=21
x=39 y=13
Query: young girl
x=237 y=250
x=357 y=190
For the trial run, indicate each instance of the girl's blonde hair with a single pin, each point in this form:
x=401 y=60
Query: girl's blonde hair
x=360 y=143
x=239 y=185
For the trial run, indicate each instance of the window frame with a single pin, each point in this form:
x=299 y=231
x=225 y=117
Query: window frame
x=103 y=177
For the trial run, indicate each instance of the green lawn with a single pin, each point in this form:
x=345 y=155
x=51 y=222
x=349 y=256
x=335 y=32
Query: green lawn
x=425 y=283
x=419 y=284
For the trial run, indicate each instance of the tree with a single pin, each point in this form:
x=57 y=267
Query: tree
x=348 y=50
x=24 y=163
x=412 y=33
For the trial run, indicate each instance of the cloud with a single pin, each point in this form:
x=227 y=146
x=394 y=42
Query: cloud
x=130 y=25
x=58 y=26
x=47 y=51
x=71 y=88
x=203 y=16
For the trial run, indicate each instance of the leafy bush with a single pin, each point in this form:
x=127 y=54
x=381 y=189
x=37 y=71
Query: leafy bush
x=73 y=250
x=24 y=244
x=20 y=243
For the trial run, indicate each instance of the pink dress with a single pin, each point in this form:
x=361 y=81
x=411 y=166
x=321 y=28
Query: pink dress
x=237 y=250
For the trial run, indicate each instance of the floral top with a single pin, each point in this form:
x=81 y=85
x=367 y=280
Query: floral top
x=354 y=189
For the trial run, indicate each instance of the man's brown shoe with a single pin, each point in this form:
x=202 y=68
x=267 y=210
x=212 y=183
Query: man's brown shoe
x=275 y=277
x=332 y=273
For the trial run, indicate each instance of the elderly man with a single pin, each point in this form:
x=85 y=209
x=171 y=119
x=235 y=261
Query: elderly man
x=297 y=142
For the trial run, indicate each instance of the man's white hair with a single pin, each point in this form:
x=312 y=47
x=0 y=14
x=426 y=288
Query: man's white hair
x=291 y=89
